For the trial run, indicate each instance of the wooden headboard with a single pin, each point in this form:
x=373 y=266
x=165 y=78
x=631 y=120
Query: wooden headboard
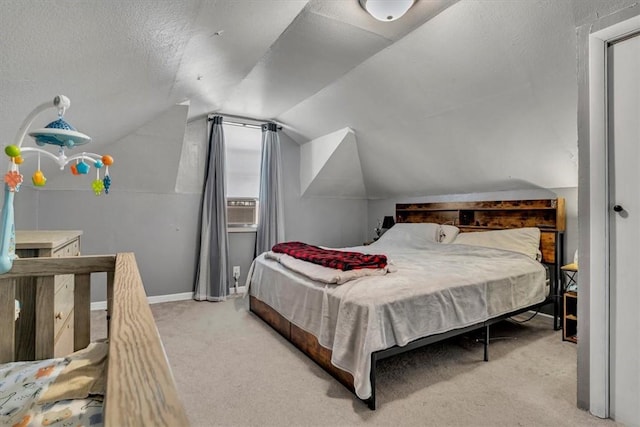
x=546 y=214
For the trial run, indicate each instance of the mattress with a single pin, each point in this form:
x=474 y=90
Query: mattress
x=433 y=288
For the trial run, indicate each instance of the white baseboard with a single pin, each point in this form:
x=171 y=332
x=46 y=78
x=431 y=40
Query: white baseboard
x=102 y=305
x=171 y=297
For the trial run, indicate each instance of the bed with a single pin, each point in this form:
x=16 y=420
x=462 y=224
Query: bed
x=130 y=369
x=431 y=291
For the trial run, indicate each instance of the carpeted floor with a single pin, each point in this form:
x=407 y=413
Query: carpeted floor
x=233 y=370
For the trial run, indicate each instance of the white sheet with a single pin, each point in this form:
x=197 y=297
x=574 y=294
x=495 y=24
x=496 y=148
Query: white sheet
x=436 y=288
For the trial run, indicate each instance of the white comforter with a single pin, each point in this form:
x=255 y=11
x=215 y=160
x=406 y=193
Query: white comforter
x=436 y=288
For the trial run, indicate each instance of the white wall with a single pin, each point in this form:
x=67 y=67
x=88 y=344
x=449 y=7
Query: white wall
x=320 y=221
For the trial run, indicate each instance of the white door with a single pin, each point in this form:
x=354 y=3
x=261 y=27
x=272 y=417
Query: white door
x=624 y=203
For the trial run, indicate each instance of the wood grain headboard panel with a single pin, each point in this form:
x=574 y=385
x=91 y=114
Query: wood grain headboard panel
x=546 y=214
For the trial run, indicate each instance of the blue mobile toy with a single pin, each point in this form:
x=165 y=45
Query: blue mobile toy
x=58 y=133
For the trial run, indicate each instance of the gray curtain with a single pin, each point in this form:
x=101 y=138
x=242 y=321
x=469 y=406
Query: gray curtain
x=212 y=272
x=271 y=204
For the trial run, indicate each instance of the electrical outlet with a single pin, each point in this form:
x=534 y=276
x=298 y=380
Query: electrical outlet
x=236 y=271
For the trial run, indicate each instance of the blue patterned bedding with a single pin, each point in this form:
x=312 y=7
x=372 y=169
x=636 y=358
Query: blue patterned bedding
x=22 y=384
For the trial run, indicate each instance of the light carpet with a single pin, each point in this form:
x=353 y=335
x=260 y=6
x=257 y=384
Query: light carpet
x=231 y=369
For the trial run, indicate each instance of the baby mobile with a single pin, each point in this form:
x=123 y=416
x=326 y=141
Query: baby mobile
x=63 y=135
x=58 y=133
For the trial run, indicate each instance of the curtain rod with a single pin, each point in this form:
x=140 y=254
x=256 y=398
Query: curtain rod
x=238 y=121
x=244 y=125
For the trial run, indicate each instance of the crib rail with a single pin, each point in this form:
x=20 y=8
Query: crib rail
x=44 y=270
x=140 y=387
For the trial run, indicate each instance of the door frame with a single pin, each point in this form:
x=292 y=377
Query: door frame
x=595 y=235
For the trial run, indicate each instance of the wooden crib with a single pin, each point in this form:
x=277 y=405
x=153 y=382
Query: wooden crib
x=140 y=389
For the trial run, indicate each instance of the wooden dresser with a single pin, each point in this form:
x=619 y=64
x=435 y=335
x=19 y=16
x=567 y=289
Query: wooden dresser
x=60 y=294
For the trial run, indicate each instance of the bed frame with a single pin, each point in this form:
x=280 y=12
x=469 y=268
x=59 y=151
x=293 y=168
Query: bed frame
x=547 y=214
x=140 y=389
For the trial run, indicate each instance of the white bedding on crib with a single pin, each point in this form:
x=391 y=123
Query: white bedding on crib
x=436 y=288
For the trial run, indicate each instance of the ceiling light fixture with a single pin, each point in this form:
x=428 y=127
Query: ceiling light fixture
x=386 y=10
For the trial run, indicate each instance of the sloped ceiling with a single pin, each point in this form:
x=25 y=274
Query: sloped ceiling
x=330 y=167
x=457 y=96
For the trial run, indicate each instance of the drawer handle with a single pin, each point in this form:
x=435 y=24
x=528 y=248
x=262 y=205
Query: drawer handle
x=59 y=315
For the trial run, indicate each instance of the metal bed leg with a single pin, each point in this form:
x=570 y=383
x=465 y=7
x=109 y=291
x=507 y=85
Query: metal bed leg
x=371 y=402
x=486 y=343
x=556 y=302
x=557 y=321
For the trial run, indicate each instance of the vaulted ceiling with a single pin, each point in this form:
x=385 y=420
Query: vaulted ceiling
x=456 y=96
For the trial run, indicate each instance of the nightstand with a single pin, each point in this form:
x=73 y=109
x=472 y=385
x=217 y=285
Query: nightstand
x=570 y=317
x=570 y=303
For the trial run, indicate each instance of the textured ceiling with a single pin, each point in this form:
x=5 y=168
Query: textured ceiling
x=456 y=96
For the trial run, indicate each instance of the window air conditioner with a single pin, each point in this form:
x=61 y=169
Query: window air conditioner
x=242 y=212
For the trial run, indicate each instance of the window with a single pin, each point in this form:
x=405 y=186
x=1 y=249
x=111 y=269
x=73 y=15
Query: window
x=243 y=152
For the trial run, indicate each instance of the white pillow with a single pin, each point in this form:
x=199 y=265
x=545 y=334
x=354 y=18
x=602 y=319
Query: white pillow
x=523 y=240
x=414 y=235
x=448 y=233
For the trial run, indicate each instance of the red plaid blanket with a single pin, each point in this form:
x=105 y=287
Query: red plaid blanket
x=340 y=260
